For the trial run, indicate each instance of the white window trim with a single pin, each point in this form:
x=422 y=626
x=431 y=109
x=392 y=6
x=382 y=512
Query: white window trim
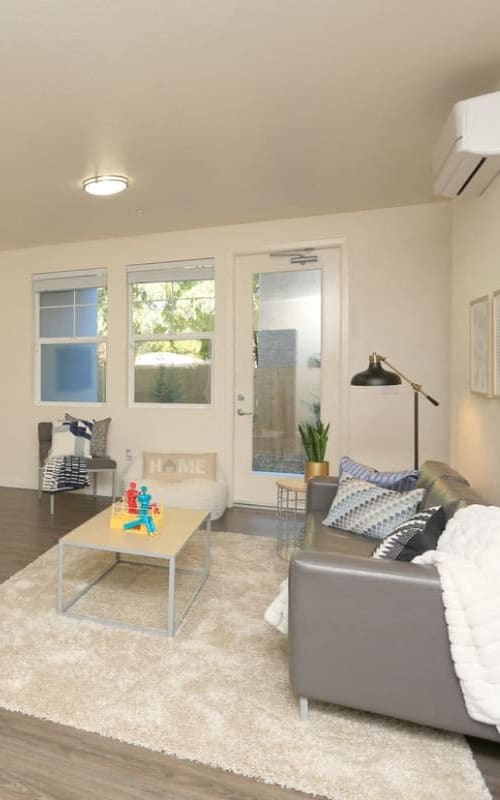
x=133 y=273
x=39 y=340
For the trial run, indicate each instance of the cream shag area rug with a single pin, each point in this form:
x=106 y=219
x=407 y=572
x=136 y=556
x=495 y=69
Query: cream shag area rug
x=218 y=693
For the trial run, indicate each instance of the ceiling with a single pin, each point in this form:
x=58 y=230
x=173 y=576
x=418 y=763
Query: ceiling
x=226 y=111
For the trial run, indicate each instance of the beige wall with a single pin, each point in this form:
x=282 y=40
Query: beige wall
x=475 y=420
x=398 y=276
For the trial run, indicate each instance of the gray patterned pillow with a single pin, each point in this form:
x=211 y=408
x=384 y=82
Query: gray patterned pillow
x=362 y=507
x=99 y=439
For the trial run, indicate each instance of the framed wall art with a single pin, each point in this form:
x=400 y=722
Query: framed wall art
x=480 y=346
x=496 y=343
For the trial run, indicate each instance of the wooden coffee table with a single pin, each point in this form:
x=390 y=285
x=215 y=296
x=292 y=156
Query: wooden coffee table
x=179 y=526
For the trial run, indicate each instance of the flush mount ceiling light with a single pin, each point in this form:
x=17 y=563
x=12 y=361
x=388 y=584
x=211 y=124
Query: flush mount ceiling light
x=105 y=185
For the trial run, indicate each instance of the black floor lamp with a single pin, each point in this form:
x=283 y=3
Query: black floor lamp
x=376 y=375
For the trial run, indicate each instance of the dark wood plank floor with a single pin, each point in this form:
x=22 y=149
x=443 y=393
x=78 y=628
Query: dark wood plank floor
x=44 y=761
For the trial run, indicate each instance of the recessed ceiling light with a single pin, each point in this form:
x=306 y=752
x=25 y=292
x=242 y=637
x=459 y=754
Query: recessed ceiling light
x=105 y=185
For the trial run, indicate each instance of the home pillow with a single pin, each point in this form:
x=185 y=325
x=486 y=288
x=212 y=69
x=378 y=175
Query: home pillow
x=174 y=467
x=71 y=438
x=363 y=507
x=413 y=537
x=99 y=438
x=402 y=481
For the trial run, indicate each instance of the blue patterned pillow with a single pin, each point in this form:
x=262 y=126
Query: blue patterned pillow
x=363 y=507
x=402 y=481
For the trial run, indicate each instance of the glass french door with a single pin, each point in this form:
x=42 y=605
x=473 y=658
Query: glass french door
x=286 y=370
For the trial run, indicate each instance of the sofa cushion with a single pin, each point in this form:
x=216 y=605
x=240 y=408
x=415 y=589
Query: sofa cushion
x=100 y=462
x=402 y=481
x=318 y=537
x=432 y=470
x=413 y=537
x=363 y=507
x=450 y=493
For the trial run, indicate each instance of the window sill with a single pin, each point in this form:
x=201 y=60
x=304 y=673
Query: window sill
x=65 y=403
x=188 y=406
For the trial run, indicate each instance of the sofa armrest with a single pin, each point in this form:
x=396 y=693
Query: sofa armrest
x=371 y=635
x=320 y=493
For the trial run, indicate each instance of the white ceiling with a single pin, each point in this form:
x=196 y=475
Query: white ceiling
x=225 y=111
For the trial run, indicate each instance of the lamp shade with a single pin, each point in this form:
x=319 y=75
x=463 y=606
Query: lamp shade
x=375 y=375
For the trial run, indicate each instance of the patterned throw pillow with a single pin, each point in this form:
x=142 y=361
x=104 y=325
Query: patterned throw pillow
x=402 y=481
x=362 y=507
x=99 y=439
x=414 y=537
x=71 y=438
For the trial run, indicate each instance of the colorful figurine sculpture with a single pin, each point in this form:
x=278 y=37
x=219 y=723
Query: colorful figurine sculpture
x=144 y=516
x=131 y=495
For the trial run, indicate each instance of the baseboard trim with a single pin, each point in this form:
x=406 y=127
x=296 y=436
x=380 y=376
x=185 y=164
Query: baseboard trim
x=253 y=507
x=17 y=483
x=13 y=483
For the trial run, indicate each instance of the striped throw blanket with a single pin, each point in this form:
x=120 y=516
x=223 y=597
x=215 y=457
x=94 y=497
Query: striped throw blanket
x=65 y=467
x=62 y=473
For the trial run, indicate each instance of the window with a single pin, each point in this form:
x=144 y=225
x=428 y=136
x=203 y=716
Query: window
x=172 y=308
x=71 y=327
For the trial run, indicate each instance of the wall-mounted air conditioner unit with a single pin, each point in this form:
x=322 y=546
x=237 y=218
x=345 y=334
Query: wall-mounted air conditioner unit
x=466 y=158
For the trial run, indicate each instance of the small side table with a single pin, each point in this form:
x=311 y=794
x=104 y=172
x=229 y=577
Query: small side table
x=290 y=501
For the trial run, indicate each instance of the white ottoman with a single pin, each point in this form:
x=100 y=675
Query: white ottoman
x=196 y=493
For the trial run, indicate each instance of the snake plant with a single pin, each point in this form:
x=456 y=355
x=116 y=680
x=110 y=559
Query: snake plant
x=314 y=439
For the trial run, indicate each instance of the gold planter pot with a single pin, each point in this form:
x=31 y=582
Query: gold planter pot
x=313 y=469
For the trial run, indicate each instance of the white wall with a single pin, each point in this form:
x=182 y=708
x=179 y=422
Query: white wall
x=398 y=268
x=475 y=420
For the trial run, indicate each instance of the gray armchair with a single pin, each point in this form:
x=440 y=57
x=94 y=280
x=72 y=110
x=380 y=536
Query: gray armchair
x=95 y=464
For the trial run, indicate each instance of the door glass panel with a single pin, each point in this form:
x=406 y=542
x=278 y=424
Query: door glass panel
x=287 y=366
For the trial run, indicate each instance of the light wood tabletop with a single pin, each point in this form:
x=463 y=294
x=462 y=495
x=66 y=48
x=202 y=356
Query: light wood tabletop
x=292 y=484
x=178 y=526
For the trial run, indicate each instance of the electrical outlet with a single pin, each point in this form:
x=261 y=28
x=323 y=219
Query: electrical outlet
x=128 y=454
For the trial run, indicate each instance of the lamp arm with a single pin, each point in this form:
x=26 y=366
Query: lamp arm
x=417 y=387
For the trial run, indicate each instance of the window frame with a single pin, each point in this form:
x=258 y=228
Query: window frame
x=162 y=269
x=41 y=340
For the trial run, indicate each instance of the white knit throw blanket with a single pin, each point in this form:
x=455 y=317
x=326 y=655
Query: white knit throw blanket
x=277 y=613
x=468 y=562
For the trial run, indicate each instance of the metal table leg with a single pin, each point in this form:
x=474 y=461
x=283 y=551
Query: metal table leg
x=171 y=598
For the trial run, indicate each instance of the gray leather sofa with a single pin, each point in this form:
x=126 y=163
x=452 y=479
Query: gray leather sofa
x=371 y=634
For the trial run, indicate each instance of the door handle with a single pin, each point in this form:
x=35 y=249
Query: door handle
x=242 y=413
